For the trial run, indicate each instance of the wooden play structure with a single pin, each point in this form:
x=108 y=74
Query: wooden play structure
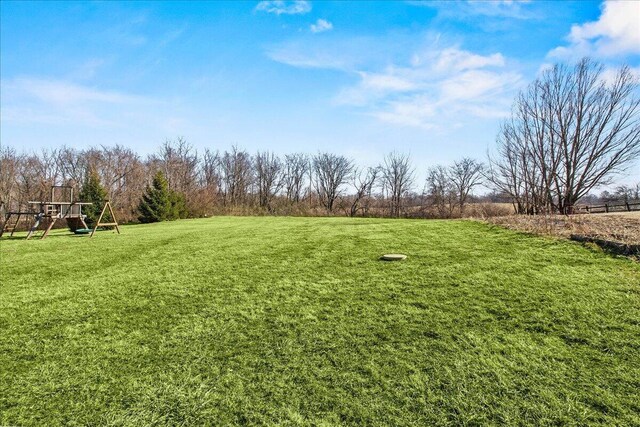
x=107 y=205
x=12 y=221
x=61 y=206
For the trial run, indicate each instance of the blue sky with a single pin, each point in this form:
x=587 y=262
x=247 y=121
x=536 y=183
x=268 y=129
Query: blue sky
x=362 y=78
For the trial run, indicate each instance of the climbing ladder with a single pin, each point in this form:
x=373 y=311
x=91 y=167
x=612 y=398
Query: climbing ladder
x=12 y=221
x=8 y=225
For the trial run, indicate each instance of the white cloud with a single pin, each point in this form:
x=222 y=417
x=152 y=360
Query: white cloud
x=89 y=68
x=616 y=32
x=322 y=52
x=373 y=86
x=65 y=93
x=386 y=82
x=427 y=81
x=348 y=54
x=280 y=7
x=416 y=111
x=437 y=86
x=460 y=60
x=33 y=100
x=475 y=84
x=504 y=8
x=299 y=59
x=609 y=74
x=490 y=8
x=320 y=26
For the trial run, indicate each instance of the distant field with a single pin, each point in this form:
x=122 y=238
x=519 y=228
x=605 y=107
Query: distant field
x=634 y=214
x=295 y=321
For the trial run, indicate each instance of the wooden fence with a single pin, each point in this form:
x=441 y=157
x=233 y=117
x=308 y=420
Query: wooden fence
x=607 y=208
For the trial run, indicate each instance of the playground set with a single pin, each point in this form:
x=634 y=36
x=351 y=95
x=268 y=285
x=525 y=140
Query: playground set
x=61 y=206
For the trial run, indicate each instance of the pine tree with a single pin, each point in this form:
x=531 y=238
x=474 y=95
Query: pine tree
x=155 y=204
x=92 y=191
x=178 y=206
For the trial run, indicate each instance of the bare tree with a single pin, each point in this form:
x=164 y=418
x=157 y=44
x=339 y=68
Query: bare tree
x=268 y=170
x=179 y=162
x=331 y=173
x=627 y=193
x=506 y=168
x=121 y=173
x=72 y=165
x=570 y=131
x=237 y=175
x=27 y=179
x=210 y=168
x=441 y=191
x=398 y=177
x=296 y=169
x=9 y=164
x=38 y=173
x=211 y=174
x=48 y=168
x=465 y=174
x=363 y=182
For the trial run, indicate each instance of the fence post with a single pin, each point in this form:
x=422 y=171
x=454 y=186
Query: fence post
x=628 y=207
x=606 y=208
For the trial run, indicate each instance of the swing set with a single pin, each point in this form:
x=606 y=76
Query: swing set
x=61 y=206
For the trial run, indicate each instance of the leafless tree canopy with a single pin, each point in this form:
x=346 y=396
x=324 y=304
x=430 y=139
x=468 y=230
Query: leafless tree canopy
x=448 y=188
x=441 y=191
x=569 y=132
x=364 y=182
x=210 y=171
x=237 y=176
x=229 y=181
x=297 y=168
x=178 y=161
x=398 y=176
x=331 y=173
x=9 y=163
x=465 y=174
x=269 y=180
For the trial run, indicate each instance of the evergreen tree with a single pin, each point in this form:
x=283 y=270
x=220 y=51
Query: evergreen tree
x=178 y=206
x=92 y=191
x=156 y=202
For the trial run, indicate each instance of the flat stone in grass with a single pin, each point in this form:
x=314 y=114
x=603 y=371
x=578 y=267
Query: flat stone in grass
x=393 y=257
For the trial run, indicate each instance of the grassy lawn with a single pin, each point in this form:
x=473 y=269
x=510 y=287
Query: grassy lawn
x=294 y=321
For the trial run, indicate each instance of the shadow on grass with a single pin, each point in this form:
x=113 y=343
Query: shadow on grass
x=39 y=237
x=608 y=246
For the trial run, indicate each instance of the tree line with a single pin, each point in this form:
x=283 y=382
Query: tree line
x=570 y=131
x=177 y=181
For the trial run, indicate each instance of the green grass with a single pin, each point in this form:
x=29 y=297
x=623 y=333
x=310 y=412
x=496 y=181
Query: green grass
x=294 y=321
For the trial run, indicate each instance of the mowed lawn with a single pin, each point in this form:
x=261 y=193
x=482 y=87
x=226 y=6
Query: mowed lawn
x=295 y=321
